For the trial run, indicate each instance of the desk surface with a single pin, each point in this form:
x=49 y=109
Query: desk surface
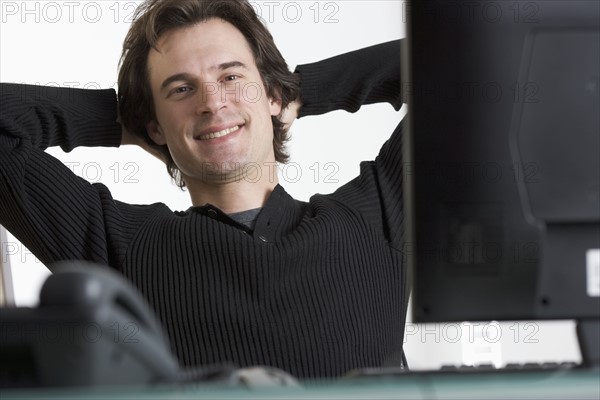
x=571 y=384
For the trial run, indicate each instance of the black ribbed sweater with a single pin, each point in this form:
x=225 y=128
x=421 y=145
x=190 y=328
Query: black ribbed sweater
x=317 y=288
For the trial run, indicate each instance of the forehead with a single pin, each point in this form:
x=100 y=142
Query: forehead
x=200 y=46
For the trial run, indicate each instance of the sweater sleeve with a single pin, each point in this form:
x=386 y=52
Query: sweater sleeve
x=347 y=82
x=56 y=214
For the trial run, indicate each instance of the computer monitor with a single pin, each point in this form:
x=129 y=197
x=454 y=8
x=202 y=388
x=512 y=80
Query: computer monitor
x=502 y=161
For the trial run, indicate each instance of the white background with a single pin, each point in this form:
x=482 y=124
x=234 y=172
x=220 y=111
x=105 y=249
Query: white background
x=78 y=43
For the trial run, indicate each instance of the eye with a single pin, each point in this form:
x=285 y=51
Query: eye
x=182 y=89
x=230 y=78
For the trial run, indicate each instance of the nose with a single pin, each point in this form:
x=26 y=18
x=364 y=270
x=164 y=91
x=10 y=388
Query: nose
x=210 y=99
x=216 y=96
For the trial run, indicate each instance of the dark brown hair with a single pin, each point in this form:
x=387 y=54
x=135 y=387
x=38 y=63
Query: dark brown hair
x=155 y=17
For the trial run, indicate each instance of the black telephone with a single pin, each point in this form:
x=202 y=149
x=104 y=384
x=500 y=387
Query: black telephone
x=90 y=328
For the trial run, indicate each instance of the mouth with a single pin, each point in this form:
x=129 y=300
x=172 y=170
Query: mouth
x=218 y=134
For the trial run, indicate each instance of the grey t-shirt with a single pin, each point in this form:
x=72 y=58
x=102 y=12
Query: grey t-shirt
x=247 y=217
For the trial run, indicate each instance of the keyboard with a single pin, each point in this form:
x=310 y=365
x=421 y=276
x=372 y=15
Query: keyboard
x=450 y=369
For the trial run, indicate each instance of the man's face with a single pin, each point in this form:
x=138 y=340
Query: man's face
x=211 y=105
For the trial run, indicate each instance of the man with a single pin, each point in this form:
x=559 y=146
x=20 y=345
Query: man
x=247 y=274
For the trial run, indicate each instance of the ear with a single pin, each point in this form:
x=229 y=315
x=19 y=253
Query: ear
x=275 y=106
x=156 y=133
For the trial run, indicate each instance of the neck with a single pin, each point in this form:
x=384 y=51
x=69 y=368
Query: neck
x=244 y=193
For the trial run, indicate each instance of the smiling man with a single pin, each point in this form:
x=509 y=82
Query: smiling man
x=247 y=275
x=213 y=114
x=213 y=104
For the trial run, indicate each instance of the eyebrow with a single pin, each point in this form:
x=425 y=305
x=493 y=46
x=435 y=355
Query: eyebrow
x=184 y=76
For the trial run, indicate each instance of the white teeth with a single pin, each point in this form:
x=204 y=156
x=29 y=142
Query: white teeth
x=219 y=134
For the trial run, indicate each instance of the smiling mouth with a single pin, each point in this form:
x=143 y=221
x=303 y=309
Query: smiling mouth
x=215 y=135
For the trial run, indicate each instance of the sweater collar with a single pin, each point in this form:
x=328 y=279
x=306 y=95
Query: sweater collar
x=279 y=216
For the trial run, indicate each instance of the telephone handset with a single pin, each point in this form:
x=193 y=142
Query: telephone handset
x=130 y=337
x=90 y=328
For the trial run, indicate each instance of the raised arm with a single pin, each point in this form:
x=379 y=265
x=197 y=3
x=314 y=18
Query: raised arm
x=348 y=81
x=52 y=211
x=49 y=116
